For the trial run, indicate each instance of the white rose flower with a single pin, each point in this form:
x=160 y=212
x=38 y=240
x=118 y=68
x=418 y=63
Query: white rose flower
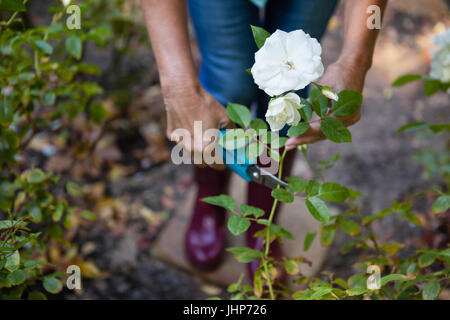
x=284 y=110
x=287 y=61
x=440 y=65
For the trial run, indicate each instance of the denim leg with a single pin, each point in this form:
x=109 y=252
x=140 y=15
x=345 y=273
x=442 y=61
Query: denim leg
x=288 y=15
x=226 y=43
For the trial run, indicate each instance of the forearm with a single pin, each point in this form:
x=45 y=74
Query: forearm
x=359 y=40
x=166 y=22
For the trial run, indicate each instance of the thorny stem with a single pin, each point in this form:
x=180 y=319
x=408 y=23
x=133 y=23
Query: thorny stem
x=272 y=213
x=14 y=15
x=370 y=233
x=269 y=282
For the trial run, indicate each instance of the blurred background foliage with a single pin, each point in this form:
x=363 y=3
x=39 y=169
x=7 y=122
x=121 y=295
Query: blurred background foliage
x=58 y=103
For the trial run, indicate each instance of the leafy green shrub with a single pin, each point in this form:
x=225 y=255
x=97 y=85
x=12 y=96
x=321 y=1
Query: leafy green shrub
x=43 y=88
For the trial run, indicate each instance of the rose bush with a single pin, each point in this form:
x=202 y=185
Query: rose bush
x=279 y=67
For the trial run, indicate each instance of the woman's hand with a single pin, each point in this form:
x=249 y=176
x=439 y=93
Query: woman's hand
x=338 y=76
x=188 y=106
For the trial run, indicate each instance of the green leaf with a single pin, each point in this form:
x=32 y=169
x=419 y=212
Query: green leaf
x=43 y=46
x=74 y=189
x=233 y=287
x=431 y=290
x=97 y=113
x=312 y=188
x=36 y=295
x=341 y=282
x=356 y=291
x=49 y=98
x=413 y=126
x=392 y=277
x=52 y=285
x=318 y=101
x=319 y=293
x=296 y=184
x=91 y=88
x=306 y=111
x=350 y=227
x=244 y=254
x=12 y=5
x=36 y=214
x=239 y=114
x=238 y=224
x=12 y=261
x=11 y=138
x=349 y=102
x=86 y=214
x=74 y=46
x=25 y=76
x=258 y=125
x=222 y=200
x=36 y=176
x=59 y=210
x=335 y=130
x=406 y=79
x=438 y=127
x=309 y=238
x=55 y=27
x=275 y=230
x=427 y=259
x=298 y=130
x=327 y=235
x=7 y=224
x=251 y=211
x=431 y=87
x=17 y=277
x=441 y=204
x=260 y=35
x=403 y=210
x=353 y=194
x=358 y=281
x=282 y=195
x=6 y=112
x=291 y=267
x=318 y=209
x=333 y=192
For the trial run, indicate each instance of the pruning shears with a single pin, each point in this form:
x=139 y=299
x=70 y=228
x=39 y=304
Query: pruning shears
x=238 y=162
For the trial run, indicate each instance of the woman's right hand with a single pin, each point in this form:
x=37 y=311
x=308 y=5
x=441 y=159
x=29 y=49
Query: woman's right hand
x=186 y=104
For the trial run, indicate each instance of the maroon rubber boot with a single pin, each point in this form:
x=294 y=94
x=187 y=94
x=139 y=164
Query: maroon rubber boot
x=260 y=196
x=205 y=236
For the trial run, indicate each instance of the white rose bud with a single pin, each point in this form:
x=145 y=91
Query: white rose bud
x=440 y=65
x=284 y=110
x=329 y=93
x=287 y=61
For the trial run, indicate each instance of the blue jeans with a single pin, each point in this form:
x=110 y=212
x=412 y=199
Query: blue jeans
x=227 y=47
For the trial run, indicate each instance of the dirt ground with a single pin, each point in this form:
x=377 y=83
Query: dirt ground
x=377 y=163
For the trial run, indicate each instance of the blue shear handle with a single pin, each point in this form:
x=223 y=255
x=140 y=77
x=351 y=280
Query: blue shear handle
x=236 y=160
